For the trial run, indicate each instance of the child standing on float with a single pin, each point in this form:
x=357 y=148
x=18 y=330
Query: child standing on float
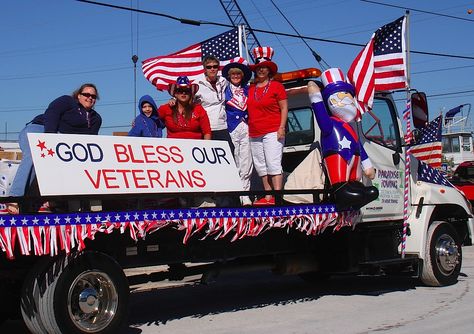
x=147 y=123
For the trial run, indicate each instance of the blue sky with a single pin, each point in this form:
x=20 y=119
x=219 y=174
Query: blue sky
x=50 y=47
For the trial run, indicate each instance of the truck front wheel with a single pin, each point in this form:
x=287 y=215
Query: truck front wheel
x=88 y=295
x=443 y=255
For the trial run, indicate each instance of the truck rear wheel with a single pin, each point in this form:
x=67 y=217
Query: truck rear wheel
x=443 y=255
x=88 y=295
x=31 y=294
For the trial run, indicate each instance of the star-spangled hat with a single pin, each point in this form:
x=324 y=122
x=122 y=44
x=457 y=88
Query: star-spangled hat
x=241 y=64
x=334 y=81
x=182 y=82
x=263 y=57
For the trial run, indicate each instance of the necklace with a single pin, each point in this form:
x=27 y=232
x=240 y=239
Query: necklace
x=265 y=90
x=181 y=119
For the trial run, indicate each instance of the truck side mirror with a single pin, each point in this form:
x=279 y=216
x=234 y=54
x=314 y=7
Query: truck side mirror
x=419 y=110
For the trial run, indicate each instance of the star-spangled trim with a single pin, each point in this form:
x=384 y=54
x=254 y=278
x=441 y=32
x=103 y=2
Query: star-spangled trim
x=163 y=215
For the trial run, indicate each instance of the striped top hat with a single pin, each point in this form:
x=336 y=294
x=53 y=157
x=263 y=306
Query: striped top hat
x=263 y=57
x=334 y=81
x=241 y=64
x=182 y=82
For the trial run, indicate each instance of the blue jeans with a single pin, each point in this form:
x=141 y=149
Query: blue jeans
x=26 y=173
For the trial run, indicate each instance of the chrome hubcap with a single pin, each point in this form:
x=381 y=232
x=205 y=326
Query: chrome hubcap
x=447 y=254
x=92 y=301
x=88 y=301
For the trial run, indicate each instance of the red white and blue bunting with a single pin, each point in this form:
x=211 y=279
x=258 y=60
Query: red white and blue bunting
x=49 y=234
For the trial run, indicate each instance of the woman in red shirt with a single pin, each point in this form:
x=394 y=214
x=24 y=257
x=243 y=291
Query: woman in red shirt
x=268 y=113
x=185 y=119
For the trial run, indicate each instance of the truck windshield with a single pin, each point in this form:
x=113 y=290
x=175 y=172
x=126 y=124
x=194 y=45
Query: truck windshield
x=379 y=124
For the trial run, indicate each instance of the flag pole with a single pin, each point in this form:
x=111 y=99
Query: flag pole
x=244 y=40
x=407 y=116
x=407 y=49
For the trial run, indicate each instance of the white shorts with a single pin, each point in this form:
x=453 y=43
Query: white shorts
x=267 y=152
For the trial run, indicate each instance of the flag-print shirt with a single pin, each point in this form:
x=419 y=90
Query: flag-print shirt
x=236 y=105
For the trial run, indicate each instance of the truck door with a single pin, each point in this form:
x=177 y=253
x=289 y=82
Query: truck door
x=379 y=133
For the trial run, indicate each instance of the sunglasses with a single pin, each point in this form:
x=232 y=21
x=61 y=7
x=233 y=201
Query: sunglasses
x=212 y=66
x=92 y=96
x=182 y=91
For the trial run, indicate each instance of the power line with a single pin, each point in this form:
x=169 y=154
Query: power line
x=279 y=40
x=62 y=74
x=316 y=56
x=443 y=69
x=418 y=10
x=452 y=93
x=198 y=23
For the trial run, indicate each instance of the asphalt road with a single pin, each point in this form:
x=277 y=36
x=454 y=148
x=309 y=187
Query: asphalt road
x=263 y=303
x=259 y=302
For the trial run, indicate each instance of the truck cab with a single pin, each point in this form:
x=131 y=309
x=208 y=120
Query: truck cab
x=431 y=207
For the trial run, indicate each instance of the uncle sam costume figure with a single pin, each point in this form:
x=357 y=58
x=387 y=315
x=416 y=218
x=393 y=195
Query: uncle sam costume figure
x=343 y=154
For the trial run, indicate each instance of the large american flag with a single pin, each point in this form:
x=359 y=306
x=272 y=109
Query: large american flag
x=432 y=175
x=163 y=70
x=381 y=65
x=428 y=148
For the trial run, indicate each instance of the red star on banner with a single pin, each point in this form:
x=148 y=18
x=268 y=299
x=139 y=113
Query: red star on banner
x=41 y=145
x=43 y=155
x=50 y=152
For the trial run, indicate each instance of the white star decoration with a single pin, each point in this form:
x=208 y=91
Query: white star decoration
x=344 y=143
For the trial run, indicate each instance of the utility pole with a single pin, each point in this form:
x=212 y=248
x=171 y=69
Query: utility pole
x=233 y=11
x=135 y=59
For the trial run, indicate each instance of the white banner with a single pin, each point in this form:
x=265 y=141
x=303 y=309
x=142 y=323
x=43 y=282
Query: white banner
x=84 y=164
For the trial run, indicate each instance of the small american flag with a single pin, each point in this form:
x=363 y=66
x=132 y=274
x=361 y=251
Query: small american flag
x=432 y=175
x=381 y=65
x=163 y=70
x=428 y=148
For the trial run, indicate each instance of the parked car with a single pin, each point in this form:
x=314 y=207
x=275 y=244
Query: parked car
x=463 y=179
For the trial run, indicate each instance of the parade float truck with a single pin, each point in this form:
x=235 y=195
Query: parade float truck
x=124 y=202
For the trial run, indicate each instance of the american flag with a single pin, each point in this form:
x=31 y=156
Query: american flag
x=381 y=65
x=432 y=175
x=428 y=148
x=163 y=70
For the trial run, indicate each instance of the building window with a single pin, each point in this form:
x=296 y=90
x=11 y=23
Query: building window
x=451 y=144
x=466 y=144
x=446 y=145
x=455 y=144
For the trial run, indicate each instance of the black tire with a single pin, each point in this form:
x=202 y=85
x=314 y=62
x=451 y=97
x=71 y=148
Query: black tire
x=89 y=293
x=443 y=255
x=31 y=293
